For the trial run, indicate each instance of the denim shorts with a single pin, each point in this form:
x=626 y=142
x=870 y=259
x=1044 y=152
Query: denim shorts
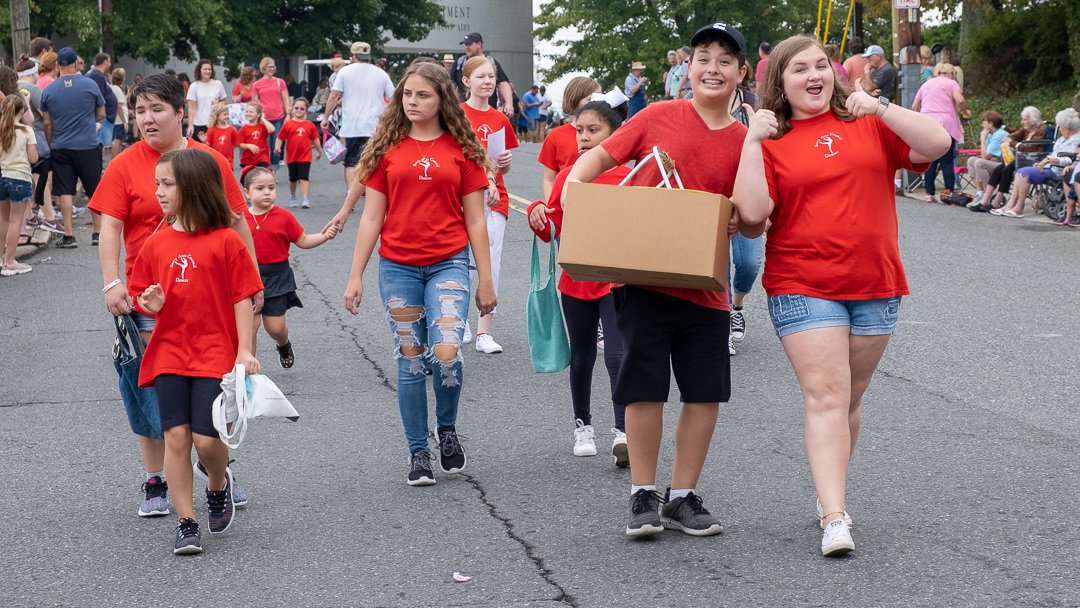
x=792 y=313
x=15 y=190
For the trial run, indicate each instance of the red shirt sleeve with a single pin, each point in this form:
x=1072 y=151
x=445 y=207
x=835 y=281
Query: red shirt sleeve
x=473 y=177
x=628 y=142
x=244 y=280
x=898 y=150
x=142 y=275
x=378 y=179
x=293 y=230
x=511 y=137
x=548 y=155
x=110 y=197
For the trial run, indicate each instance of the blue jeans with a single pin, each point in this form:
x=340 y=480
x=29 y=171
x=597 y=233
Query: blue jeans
x=947 y=165
x=792 y=313
x=426 y=308
x=746 y=257
x=275 y=158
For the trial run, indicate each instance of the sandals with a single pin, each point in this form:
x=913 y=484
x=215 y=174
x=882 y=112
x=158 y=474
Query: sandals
x=26 y=239
x=285 y=355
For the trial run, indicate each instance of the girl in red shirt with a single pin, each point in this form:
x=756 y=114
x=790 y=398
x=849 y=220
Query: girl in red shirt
x=221 y=135
x=818 y=162
x=196 y=277
x=255 y=137
x=560 y=148
x=273 y=229
x=297 y=136
x=479 y=79
x=425 y=175
x=585 y=303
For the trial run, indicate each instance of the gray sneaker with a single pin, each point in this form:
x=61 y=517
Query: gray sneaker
x=688 y=515
x=155 y=504
x=644 y=514
x=240 y=497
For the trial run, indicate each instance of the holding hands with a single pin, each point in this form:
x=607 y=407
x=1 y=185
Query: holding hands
x=152 y=299
x=763 y=124
x=860 y=103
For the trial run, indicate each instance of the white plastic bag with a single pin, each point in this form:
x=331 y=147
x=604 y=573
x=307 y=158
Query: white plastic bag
x=245 y=397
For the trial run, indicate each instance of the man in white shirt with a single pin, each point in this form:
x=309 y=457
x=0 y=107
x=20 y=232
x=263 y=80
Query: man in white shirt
x=362 y=90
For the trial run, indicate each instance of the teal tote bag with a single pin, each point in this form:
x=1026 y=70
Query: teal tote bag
x=548 y=343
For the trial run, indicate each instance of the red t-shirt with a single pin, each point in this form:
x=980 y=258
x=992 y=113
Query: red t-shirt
x=272 y=233
x=240 y=93
x=224 y=140
x=486 y=123
x=834 y=227
x=706 y=159
x=423 y=182
x=582 y=290
x=298 y=135
x=269 y=92
x=127 y=189
x=560 y=148
x=254 y=134
x=203 y=275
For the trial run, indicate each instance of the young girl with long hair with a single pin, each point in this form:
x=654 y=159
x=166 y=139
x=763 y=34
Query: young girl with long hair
x=17 y=152
x=255 y=135
x=297 y=136
x=479 y=78
x=273 y=229
x=818 y=161
x=586 y=303
x=425 y=174
x=197 y=278
x=222 y=135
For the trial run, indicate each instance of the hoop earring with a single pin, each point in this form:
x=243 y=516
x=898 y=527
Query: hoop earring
x=783 y=96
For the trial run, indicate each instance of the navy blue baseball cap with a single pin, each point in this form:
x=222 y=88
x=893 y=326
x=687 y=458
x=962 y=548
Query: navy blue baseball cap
x=66 y=56
x=722 y=30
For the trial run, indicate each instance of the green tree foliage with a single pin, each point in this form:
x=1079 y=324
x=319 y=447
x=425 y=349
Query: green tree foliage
x=1021 y=49
x=230 y=32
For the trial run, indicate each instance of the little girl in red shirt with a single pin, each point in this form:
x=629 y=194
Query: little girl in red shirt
x=272 y=230
x=425 y=174
x=297 y=136
x=586 y=303
x=255 y=137
x=221 y=135
x=195 y=275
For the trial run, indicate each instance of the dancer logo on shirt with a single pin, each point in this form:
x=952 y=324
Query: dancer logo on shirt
x=426 y=163
x=183 y=261
x=482 y=134
x=828 y=140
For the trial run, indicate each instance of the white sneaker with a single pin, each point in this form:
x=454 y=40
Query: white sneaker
x=467 y=338
x=584 y=444
x=619 y=449
x=487 y=345
x=836 y=539
x=738 y=325
x=305 y=204
x=292 y=202
x=731 y=345
x=821 y=513
x=16 y=268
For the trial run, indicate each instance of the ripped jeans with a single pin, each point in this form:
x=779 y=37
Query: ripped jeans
x=425 y=308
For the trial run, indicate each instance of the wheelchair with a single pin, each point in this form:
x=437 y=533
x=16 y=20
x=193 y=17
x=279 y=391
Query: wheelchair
x=1051 y=196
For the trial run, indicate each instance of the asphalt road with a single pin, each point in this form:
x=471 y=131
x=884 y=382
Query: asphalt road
x=963 y=489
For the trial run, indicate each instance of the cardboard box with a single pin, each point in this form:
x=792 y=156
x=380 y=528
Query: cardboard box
x=646 y=236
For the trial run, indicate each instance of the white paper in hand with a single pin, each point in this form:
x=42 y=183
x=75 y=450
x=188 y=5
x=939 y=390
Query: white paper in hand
x=496 y=144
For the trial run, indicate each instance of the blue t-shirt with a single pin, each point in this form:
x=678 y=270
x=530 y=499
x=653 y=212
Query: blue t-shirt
x=993 y=142
x=71 y=102
x=532 y=113
x=106 y=92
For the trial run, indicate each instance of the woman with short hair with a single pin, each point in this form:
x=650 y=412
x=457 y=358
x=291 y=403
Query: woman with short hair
x=273 y=94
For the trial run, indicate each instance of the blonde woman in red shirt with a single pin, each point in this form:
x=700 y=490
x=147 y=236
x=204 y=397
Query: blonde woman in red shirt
x=818 y=162
x=479 y=78
x=425 y=175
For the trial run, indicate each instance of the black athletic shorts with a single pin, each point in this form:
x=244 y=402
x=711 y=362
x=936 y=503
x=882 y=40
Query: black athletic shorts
x=299 y=171
x=661 y=334
x=275 y=306
x=71 y=166
x=187 y=400
x=353 y=147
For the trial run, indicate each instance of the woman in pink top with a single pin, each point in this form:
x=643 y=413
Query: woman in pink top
x=273 y=95
x=941 y=99
x=833 y=51
x=46 y=70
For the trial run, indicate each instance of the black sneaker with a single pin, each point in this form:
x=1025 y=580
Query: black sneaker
x=687 y=514
x=219 y=506
x=155 y=504
x=420 y=473
x=239 y=496
x=644 y=514
x=67 y=242
x=188 y=539
x=451 y=454
x=94 y=239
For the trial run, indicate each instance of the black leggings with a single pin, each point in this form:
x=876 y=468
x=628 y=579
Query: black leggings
x=1002 y=177
x=41 y=169
x=582 y=317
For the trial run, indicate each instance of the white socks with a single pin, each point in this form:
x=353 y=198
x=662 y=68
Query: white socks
x=635 y=489
x=679 y=493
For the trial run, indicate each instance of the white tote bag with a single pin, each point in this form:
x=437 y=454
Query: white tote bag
x=244 y=397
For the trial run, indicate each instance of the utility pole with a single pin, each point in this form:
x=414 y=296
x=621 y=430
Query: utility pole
x=20 y=27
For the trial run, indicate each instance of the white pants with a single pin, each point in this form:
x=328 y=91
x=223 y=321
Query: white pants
x=496 y=229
